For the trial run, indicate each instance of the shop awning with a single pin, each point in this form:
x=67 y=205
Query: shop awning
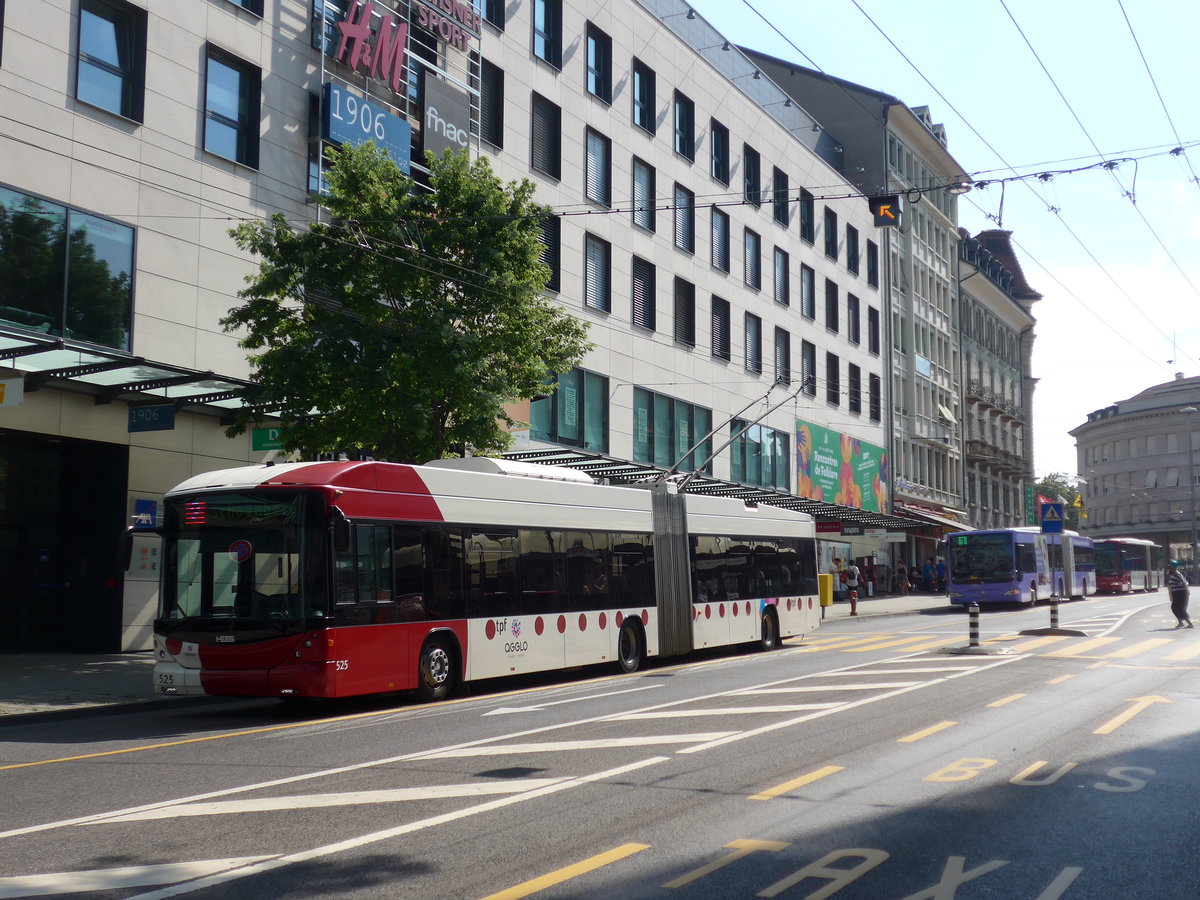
x=618 y=471
x=110 y=375
x=924 y=515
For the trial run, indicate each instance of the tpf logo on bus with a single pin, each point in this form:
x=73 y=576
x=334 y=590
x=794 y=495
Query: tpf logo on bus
x=496 y=627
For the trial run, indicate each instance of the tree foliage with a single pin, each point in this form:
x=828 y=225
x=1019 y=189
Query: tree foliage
x=405 y=323
x=1055 y=486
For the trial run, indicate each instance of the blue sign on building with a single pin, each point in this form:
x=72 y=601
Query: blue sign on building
x=349 y=119
x=145 y=513
x=152 y=418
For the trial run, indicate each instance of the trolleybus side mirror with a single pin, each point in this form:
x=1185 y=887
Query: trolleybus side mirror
x=341 y=532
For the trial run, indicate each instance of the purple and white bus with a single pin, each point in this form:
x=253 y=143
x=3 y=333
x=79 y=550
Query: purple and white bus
x=1018 y=565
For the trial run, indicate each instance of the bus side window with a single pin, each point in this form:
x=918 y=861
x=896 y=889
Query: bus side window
x=632 y=570
x=1025 y=559
x=408 y=571
x=541 y=571
x=491 y=569
x=443 y=573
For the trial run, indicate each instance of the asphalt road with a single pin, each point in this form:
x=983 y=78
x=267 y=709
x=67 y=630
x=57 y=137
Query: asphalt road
x=863 y=762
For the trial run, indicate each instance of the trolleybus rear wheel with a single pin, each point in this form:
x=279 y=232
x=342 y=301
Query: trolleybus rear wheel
x=630 y=649
x=435 y=670
x=770 y=631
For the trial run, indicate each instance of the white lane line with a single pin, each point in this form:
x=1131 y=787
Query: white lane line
x=116 y=879
x=563 y=746
x=346 y=798
x=825 y=688
x=788 y=723
x=905 y=671
x=389 y=833
x=507 y=710
x=731 y=711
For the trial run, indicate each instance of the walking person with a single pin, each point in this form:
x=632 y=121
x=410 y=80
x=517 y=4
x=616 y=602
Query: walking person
x=1177 y=586
x=902 y=578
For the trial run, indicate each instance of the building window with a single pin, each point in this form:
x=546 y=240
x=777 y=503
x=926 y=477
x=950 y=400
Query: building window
x=643 y=194
x=831 y=235
x=597 y=273
x=720 y=239
x=721 y=343
x=644 y=304
x=779 y=196
x=872 y=264
x=643 y=96
x=831 y=306
x=491 y=101
x=752 y=245
x=783 y=277
x=493 y=13
x=718 y=136
x=751 y=175
x=252 y=6
x=599 y=168
x=833 y=383
x=65 y=273
x=808 y=292
x=547 y=31
x=808 y=367
x=664 y=430
x=852 y=249
x=783 y=357
x=853 y=325
x=854 y=384
x=599 y=64
x=545 y=137
x=808 y=216
x=685 y=312
x=753 y=348
x=873 y=330
x=875 y=397
x=576 y=414
x=685 y=126
x=231 y=108
x=422 y=50
x=111 y=70
x=759 y=456
x=685 y=219
x=325 y=16
x=551 y=238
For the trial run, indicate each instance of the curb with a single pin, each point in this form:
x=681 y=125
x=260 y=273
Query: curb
x=14 y=719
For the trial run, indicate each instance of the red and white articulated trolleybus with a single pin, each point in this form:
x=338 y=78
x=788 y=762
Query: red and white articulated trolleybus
x=1124 y=565
x=331 y=579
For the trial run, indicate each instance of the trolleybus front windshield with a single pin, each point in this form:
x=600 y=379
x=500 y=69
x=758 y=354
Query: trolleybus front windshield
x=244 y=562
x=981 y=557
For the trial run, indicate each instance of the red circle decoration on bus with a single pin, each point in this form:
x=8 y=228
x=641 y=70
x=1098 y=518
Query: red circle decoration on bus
x=240 y=551
x=721 y=611
x=583 y=621
x=618 y=618
x=562 y=624
x=733 y=606
x=539 y=626
x=645 y=617
x=603 y=621
x=747 y=607
x=490 y=629
x=707 y=611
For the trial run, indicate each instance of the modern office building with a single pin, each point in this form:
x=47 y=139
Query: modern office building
x=732 y=275
x=1138 y=466
x=997 y=351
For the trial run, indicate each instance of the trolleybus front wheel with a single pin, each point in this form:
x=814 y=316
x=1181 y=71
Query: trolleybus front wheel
x=770 y=631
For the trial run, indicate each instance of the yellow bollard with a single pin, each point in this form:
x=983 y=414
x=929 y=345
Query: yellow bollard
x=825 y=588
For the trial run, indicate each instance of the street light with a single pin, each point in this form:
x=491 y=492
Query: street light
x=1188 y=411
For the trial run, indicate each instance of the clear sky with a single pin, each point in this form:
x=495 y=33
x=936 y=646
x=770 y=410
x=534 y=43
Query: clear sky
x=1028 y=87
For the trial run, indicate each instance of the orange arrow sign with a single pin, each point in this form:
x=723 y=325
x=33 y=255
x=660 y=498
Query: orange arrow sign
x=1139 y=704
x=885 y=209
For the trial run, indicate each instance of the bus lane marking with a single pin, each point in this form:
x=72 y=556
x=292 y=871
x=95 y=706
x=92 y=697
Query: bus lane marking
x=375 y=837
x=1060 y=679
x=1140 y=704
x=925 y=732
x=1083 y=647
x=741 y=848
x=561 y=746
x=788 y=786
x=533 y=885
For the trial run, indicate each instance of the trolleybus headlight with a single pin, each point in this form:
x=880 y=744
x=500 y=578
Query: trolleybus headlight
x=955 y=594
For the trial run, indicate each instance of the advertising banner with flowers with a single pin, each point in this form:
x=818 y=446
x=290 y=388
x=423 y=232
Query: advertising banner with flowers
x=839 y=468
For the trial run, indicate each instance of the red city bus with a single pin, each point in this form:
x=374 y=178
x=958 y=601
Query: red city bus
x=1124 y=565
x=333 y=579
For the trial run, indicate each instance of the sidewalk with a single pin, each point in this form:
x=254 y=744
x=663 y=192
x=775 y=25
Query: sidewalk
x=55 y=683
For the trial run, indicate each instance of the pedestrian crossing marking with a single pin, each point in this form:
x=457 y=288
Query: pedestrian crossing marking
x=1138 y=648
x=898 y=642
x=823 y=688
x=1084 y=647
x=1026 y=646
x=1189 y=652
x=720 y=711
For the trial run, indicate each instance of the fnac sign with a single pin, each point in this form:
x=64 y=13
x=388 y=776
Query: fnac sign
x=379 y=54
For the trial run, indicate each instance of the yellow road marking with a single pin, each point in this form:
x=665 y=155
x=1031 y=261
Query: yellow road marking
x=1060 y=679
x=1140 y=647
x=1185 y=653
x=928 y=645
x=838 y=643
x=1139 y=704
x=893 y=643
x=1084 y=646
x=568 y=872
x=1006 y=700
x=789 y=786
x=932 y=729
x=1025 y=646
x=740 y=849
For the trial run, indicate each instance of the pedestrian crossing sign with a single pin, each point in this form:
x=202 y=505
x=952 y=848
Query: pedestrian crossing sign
x=1052 y=518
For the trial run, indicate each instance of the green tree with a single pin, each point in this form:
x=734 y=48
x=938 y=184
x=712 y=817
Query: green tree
x=1054 y=486
x=405 y=323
